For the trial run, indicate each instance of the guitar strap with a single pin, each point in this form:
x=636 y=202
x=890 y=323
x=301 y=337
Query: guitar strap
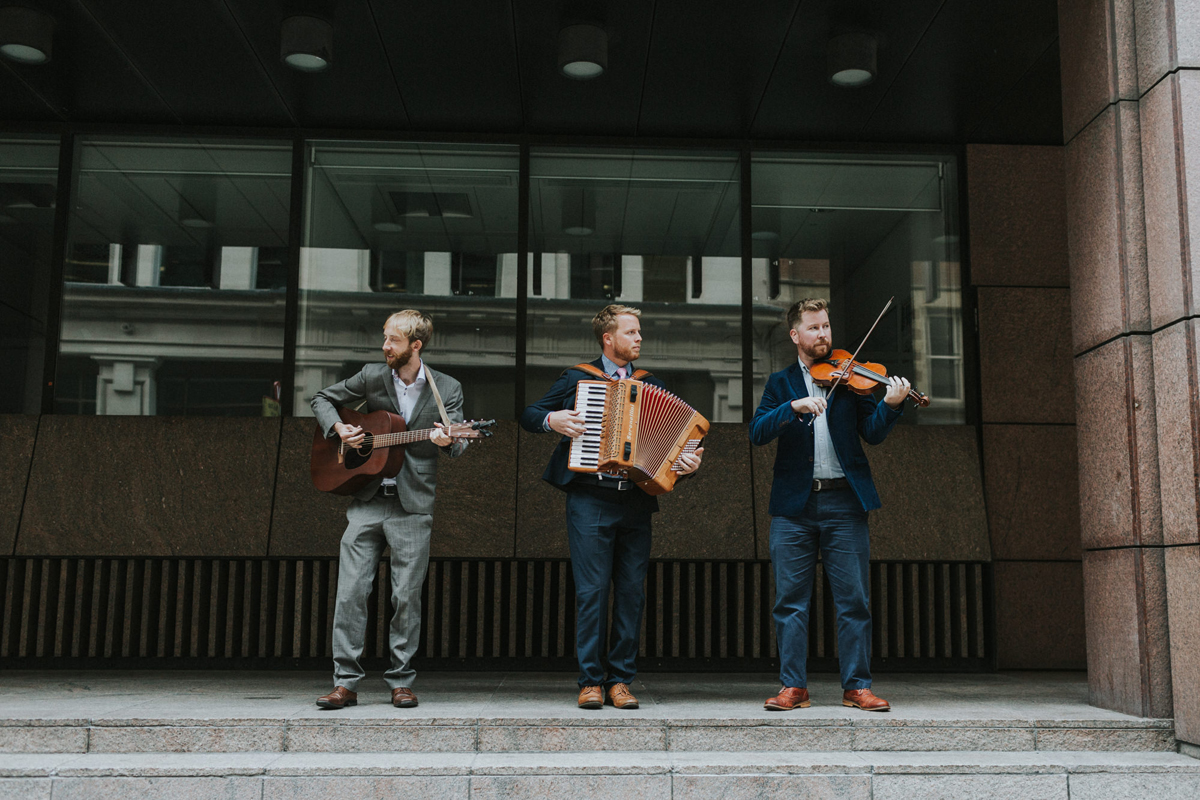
x=592 y=369
x=438 y=397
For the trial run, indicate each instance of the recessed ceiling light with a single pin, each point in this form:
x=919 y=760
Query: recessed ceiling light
x=26 y=35
x=582 y=51
x=852 y=61
x=306 y=43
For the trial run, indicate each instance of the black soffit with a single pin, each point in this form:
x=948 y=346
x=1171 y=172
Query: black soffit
x=950 y=71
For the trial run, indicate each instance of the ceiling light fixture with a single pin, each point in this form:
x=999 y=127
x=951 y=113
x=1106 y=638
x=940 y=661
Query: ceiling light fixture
x=306 y=43
x=26 y=35
x=382 y=218
x=852 y=59
x=579 y=213
x=582 y=51
x=767 y=222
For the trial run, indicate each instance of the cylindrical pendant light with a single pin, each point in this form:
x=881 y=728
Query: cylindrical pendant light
x=852 y=59
x=306 y=43
x=582 y=51
x=26 y=35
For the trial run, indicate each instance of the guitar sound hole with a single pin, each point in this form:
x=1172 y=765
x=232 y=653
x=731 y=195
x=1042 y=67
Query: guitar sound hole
x=356 y=457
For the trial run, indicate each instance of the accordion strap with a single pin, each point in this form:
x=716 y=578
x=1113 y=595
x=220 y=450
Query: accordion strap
x=593 y=370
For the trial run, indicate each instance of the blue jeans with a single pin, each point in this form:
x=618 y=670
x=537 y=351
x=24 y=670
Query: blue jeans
x=609 y=534
x=834 y=523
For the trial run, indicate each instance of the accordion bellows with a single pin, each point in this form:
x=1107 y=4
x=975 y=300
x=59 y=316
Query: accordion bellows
x=635 y=429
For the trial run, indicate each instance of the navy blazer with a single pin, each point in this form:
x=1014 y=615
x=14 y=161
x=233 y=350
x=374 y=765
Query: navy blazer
x=850 y=416
x=562 y=396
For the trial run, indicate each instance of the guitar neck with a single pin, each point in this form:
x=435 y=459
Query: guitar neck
x=404 y=437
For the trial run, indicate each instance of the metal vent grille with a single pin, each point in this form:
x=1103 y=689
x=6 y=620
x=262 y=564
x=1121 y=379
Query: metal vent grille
x=518 y=614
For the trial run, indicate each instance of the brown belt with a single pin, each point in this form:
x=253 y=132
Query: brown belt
x=825 y=484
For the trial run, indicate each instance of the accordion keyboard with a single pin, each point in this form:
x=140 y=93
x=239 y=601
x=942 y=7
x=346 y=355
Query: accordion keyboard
x=585 y=450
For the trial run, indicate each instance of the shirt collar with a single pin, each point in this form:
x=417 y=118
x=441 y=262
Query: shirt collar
x=611 y=367
x=419 y=379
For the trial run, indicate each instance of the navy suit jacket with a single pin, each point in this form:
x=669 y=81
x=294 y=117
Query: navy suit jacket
x=850 y=416
x=562 y=396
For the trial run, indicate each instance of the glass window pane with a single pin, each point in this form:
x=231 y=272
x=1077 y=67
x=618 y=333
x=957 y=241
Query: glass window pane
x=653 y=229
x=858 y=230
x=175 y=273
x=425 y=226
x=28 y=188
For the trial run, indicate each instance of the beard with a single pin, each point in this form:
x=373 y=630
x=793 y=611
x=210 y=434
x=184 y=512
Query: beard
x=626 y=353
x=817 y=351
x=398 y=361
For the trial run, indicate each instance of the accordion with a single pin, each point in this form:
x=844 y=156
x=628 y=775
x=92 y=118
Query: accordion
x=636 y=431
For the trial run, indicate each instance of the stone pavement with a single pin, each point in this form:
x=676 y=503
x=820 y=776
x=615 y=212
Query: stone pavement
x=516 y=735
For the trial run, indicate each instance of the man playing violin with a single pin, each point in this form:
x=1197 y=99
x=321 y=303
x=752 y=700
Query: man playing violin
x=388 y=512
x=820 y=497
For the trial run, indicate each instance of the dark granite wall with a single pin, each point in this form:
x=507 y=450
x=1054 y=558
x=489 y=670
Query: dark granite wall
x=1131 y=114
x=17 y=437
x=1019 y=272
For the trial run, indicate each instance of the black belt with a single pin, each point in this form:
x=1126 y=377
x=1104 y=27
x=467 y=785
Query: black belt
x=388 y=490
x=825 y=484
x=616 y=484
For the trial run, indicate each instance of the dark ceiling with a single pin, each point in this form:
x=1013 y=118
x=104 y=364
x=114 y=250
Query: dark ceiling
x=950 y=71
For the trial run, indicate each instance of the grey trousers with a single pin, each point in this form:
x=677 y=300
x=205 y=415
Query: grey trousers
x=374 y=524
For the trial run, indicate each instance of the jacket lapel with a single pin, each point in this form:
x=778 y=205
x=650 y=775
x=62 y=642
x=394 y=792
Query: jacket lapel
x=796 y=379
x=389 y=386
x=423 y=399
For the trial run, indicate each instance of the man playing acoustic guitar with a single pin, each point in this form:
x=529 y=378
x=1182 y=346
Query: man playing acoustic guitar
x=394 y=512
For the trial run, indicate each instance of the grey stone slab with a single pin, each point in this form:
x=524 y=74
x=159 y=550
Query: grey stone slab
x=1134 y=787
x=554 y=738
x=761 y=738
x=25 y=788
x=977 y=787
x=43 y=740
x=1085 y=739
x=231 y=788
x=165 y=765
x=376 y=786
x=937 y=738
x=177 y=739
x=770 y=787
x=574 y=763
x=33 y=765
x=774 y=762
x=327 y=764
x=380 y=738
x=555 y=787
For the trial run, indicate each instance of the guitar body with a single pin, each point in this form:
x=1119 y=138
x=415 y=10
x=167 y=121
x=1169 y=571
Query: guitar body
x=358 y=467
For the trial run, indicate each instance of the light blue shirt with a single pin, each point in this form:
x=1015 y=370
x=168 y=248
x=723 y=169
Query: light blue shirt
x=610 y=368
x=825 y=460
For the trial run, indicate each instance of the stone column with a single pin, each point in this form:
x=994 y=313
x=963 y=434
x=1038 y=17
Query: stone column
x=1131 y=119
x=126 y=386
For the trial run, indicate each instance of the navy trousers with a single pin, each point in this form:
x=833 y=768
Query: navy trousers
x=609 y=534
x=834 y=523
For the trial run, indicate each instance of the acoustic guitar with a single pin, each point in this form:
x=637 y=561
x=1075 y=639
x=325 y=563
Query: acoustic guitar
x=339 y=468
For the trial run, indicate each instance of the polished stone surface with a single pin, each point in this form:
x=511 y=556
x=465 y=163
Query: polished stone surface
x=1118 y=445
x=1031 y=482
x=541 y=509
x=1125 y=601
x=1106 y=229
x=1025 y=355
x=1183 y=602
x=1098 y=58
x=762 y=460
x=150 y=486
x=1168 y=37
x=475 y=512
x=1017 y=203
x=1177 y=403
x=1039 y=620
x=304 y=522
x=18 y=432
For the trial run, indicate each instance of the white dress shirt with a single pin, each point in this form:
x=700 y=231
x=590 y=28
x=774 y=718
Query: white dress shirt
x=825 y=460
x=407 y=394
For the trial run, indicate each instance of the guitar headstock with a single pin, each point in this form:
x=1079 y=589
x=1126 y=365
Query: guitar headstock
x=471 y=429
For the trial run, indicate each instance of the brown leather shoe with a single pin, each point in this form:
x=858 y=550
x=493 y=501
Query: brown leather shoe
x=789 y=697
x=620 y=696
x=404 y=698
x=864 y=699
x=340 y=697
x=591 y=697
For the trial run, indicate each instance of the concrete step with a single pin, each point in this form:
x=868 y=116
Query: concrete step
x=646 y=775
x=610 y=731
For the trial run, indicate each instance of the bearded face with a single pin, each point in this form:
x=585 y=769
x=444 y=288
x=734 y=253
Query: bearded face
x=398 y=360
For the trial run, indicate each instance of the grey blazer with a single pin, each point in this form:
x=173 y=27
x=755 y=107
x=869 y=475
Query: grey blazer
x=418 y=477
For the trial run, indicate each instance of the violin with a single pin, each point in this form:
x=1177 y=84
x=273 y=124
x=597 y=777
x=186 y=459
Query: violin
x=858 y=377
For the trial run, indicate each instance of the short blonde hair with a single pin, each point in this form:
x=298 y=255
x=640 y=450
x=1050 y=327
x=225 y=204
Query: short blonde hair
x=606 y=321
x=413 y=324
x=800 y=306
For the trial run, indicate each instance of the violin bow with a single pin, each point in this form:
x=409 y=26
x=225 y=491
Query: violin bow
x=854 y=357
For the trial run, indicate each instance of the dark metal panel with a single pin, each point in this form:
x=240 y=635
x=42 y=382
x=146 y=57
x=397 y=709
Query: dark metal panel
x=456 y=63
x=708 y=65
x=21 y=100
x=607 y=105
x=1030 y=112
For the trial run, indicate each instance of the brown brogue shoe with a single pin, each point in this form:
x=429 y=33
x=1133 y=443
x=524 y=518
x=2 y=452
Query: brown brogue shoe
x=864 y=699
x=789 y=697
x=620 y=696
x=404 y=698
x=591 y=697
x=340 y=697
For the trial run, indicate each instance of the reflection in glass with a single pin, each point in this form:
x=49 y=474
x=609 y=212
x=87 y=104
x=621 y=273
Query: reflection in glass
x=653 y=229
x=858 y=230
x=174 y=275
x=425 y=226
x=28 y=188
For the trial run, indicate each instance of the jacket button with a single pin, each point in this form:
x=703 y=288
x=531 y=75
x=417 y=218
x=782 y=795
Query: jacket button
x=810 y=459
